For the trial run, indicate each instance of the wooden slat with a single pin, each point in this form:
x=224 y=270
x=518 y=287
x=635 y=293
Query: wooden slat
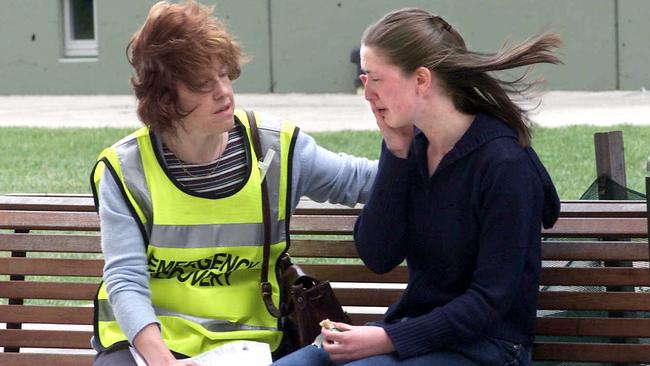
x=48 y=290
x=367 y=297
x=45 y=338
x=591 y=352
x=309 y=207
x=31 y=359
x=354 y=273
x=52 y=266
x=579 y=327
x=363 y=318
x=323 y=248
x=84 y=202
x=45 y=202
x=596 y=276
x=54 y=220
x=615 y=301
x=603 y=208
x=322 y=224
x=595 y=250
x=46 y=314
x=599 y=228
x=63 y=243
x=565 y=227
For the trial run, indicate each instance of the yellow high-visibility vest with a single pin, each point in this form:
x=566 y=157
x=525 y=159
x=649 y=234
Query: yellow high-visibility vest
x=204 y=254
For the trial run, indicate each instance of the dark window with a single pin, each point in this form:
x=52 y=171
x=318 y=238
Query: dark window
x=83 y=22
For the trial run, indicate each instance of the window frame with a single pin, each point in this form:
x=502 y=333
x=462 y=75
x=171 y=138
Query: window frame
x=75 y=47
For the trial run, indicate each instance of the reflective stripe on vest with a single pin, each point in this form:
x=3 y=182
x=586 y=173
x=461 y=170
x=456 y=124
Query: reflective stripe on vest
x=204 y=255
x=213 y=325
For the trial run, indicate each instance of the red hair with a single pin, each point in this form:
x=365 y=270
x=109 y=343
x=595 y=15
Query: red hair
x=176 y=43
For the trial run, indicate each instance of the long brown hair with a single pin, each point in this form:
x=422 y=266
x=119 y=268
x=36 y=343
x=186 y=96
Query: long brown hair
x=410 y=38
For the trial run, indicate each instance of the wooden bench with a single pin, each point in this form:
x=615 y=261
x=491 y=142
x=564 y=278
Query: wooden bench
x=48 y=318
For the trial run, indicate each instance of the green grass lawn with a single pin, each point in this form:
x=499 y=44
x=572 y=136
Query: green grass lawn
x=59 y=160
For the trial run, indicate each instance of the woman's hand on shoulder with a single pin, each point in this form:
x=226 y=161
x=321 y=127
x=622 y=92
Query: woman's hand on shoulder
x=350 y=343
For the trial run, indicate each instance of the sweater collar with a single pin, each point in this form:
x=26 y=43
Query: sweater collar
x=484 y=128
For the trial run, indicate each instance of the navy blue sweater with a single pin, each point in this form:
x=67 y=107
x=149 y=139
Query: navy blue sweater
x=470 y=234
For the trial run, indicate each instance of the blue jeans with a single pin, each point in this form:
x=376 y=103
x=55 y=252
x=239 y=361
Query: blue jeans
x=484 y=352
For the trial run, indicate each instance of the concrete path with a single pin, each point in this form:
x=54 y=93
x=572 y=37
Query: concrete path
x=314 y=112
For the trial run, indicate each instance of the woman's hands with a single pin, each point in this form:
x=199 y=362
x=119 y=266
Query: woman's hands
x=151 y=347
x=350 y=343
x=398 y=140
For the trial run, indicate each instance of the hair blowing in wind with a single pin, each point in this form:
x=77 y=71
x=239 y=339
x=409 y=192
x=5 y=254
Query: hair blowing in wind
x=410 y=38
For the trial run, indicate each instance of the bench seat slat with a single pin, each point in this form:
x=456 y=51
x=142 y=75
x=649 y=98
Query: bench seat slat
x=46 y=314
x=595 y=276
x=610 y=327
x=52 y=266
x=31 y=359
x=615 y=301
x=592 y=352
x=45 y=338
x=48 y=290
x=64 y=243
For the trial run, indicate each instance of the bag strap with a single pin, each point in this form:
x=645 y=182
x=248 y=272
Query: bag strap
x=265 y=286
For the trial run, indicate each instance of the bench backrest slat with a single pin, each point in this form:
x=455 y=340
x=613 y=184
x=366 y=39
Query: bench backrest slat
x=355 y=273
x=46 y=314
x=54 y=220
x=595 y=276
x=580 y=327
x=323 y=248
x=60 y=202
x=592 y=352
x=367 y=296
x=595 y=250
x=603 y=208
x=84 y=202
x=598 y=227
x=45 y=338
x=48 y=290
x=28 y=359
x=63 y=243
x=52 y=267
x=606 y=301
